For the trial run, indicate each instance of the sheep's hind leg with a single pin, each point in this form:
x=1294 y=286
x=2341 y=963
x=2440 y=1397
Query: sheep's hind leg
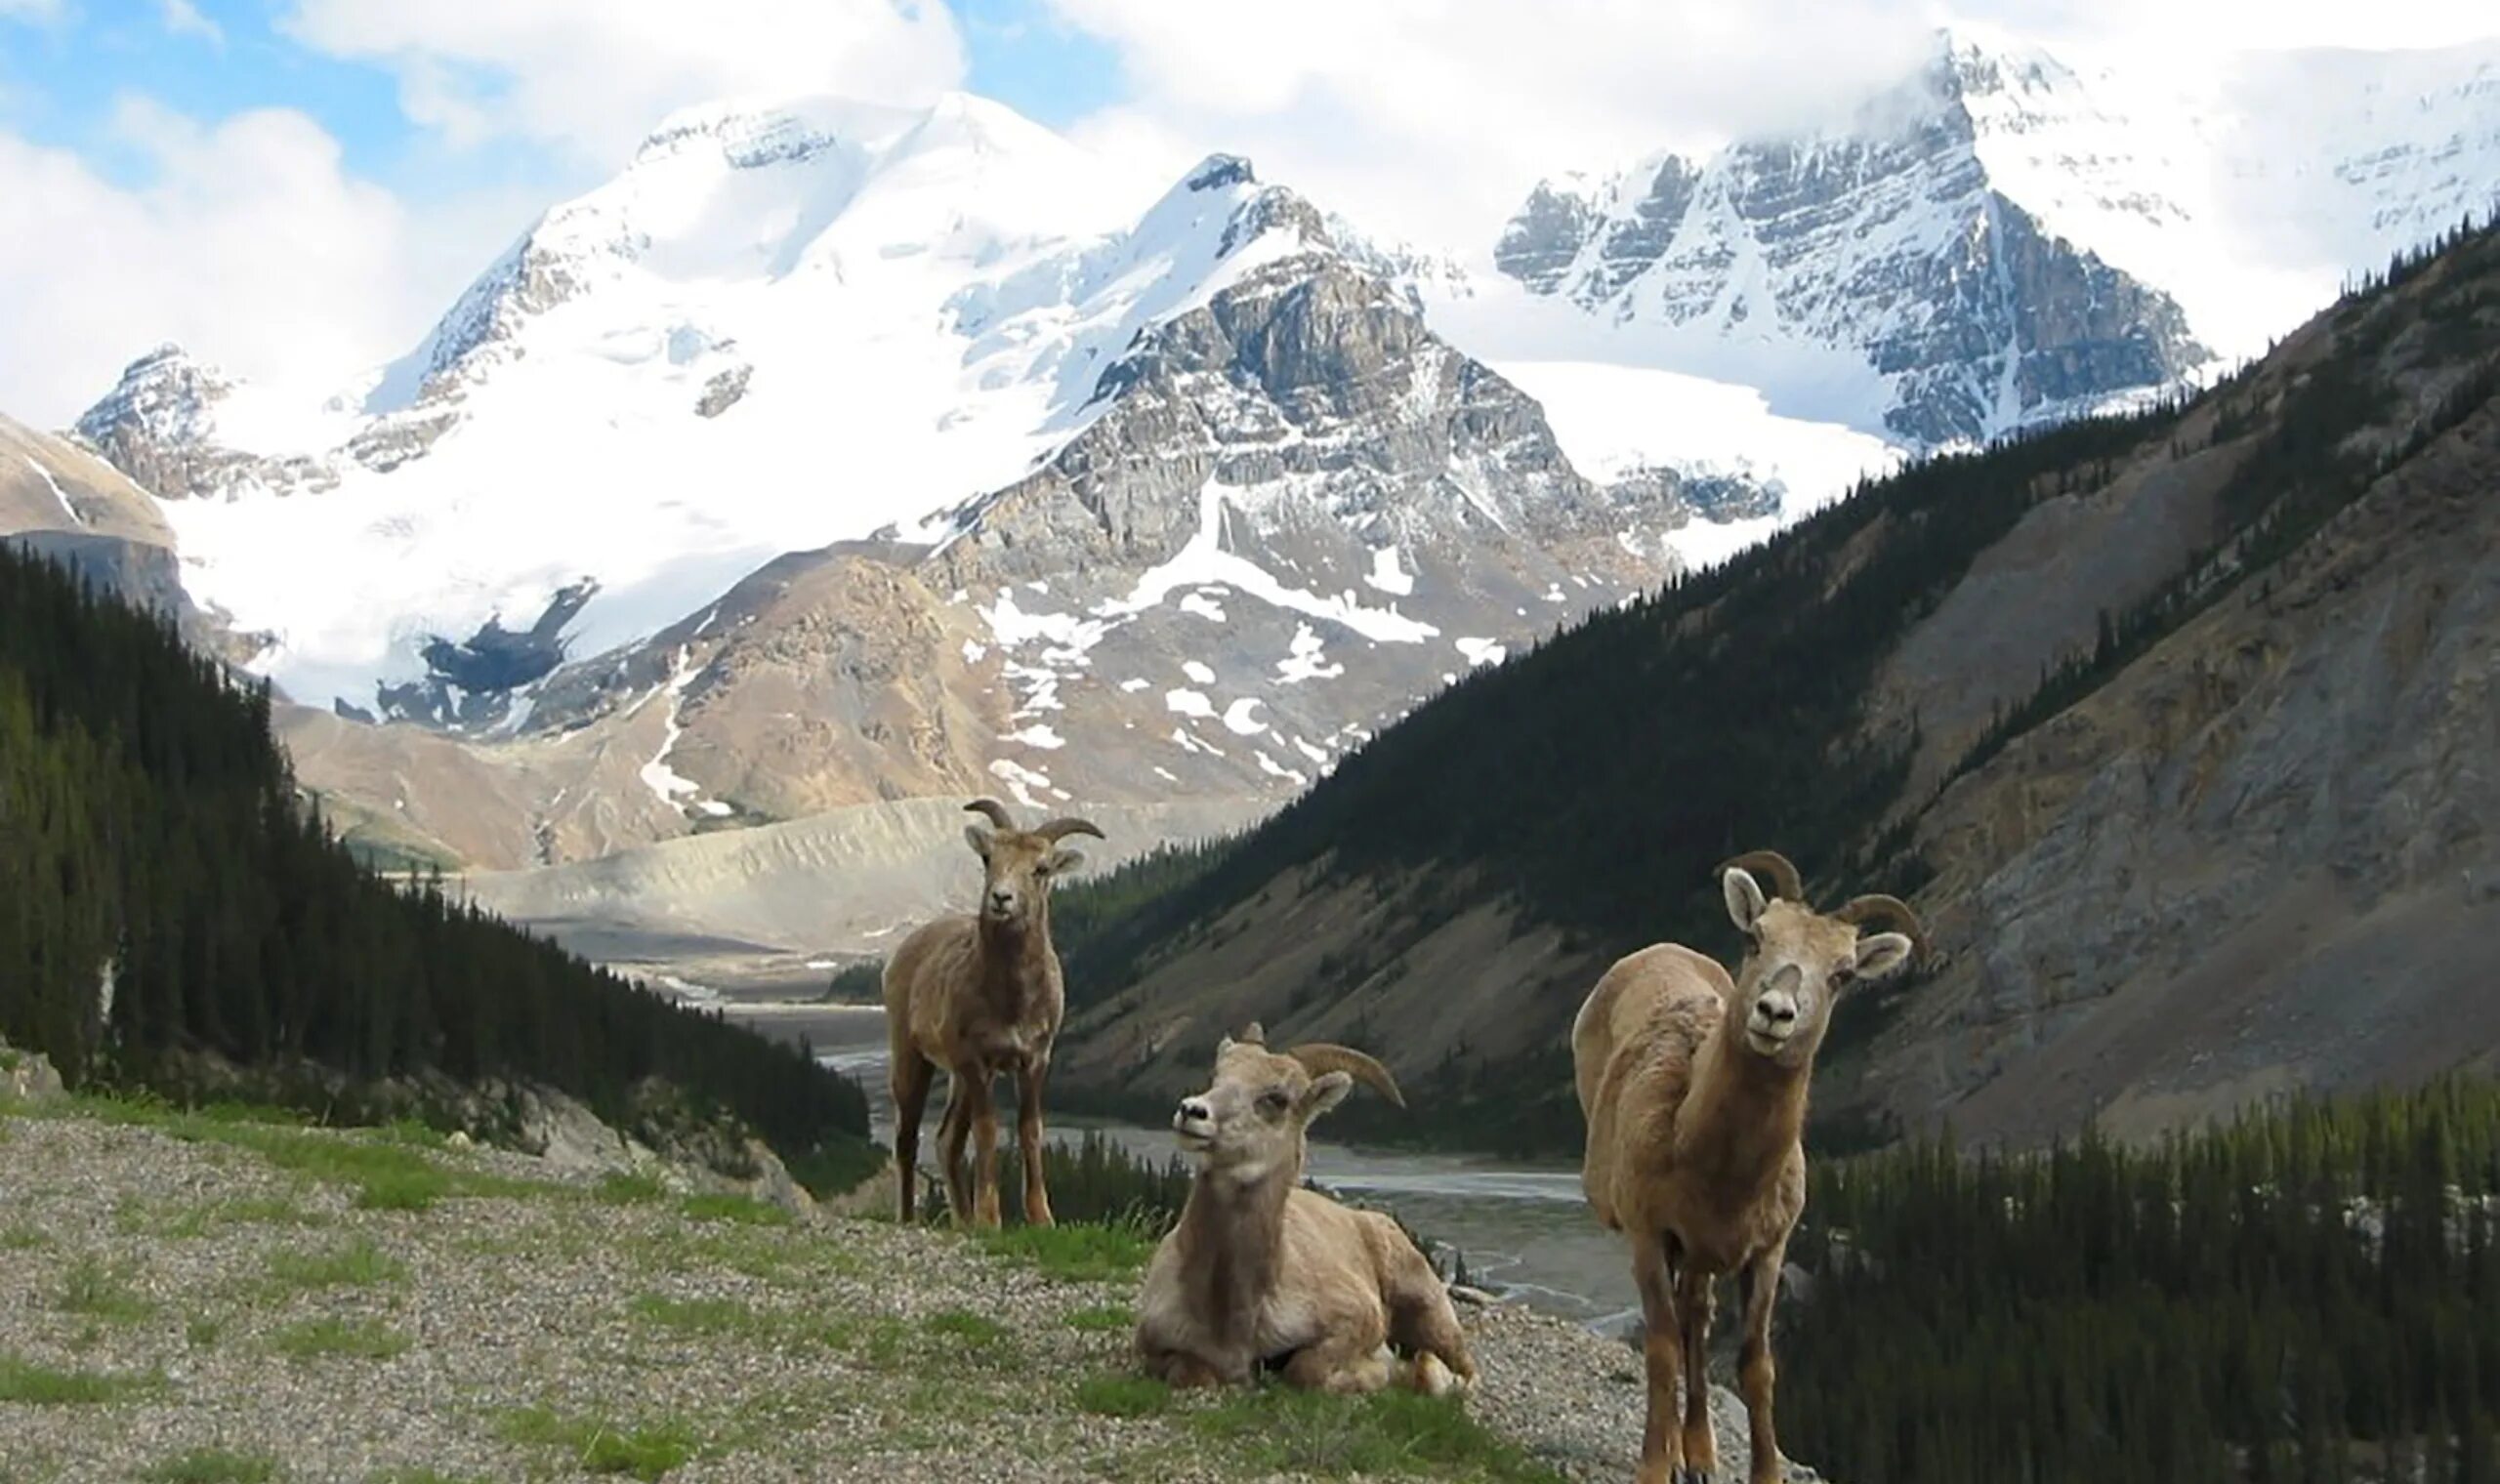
x=1342 y=1364
x=909 y=1077
x=1693 y=1303
x=1422 y=1325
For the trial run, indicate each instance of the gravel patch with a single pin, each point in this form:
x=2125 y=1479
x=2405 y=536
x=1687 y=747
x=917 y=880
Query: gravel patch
x=195 y=1296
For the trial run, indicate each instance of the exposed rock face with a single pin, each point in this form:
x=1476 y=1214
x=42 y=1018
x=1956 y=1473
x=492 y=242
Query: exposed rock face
x=1291 y=511
x=1890 y=241
x=159 y=426
x=64 y=502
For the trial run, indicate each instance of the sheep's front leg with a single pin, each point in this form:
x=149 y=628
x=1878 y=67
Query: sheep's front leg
x=984 y=1116
x=1693 y=1303
x=1759 y=1282
x=1028 y=1139
x=952 y=1130
x=1662 y=1349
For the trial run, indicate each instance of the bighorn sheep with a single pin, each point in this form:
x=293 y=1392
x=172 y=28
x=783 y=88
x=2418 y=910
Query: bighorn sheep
x=1260 y=1272
x=979 y=994
x=1694 y=1089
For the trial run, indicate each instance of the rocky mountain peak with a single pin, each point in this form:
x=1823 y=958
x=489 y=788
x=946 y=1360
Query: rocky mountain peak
x=1890 y=240
x=1218 y=171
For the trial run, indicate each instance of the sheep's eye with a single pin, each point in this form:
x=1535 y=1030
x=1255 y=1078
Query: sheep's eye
x=1843 y=974
x=1273 y=1101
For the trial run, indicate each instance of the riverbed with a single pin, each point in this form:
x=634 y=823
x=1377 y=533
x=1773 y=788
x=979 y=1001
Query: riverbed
x=1523 y=1227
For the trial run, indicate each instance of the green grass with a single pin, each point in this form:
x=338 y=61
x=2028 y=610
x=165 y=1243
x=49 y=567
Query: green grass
x=1392 y=1432
x=630 y=1189
x=352 y=1339
x=963 y=1327
x=181 y=1221
x=357 y=1264
x=1077 y=1253
x=102 y=1290
x=647 y=1451
x=699 y=1316
x=387 y=1168
x=1108 y=1318
x=742 y=1210
x=202 y=1331
x=213 y=1466
x=22 y=1380
x=22 y=1236
x=1117 y=1393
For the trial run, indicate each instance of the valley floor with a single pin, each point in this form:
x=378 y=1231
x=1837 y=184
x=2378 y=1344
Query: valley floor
x=188 y=1299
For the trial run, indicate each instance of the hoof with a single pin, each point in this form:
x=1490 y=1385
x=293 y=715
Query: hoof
x=1692 y=1476
x=1435 y=1379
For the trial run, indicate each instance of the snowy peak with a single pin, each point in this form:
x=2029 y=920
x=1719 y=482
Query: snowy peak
x=164 y=394
x=2005 y=236
x=1887 y=242
x=736 y=196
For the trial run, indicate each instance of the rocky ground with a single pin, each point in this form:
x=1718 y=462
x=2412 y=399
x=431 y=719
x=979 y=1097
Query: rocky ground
x=187 y=1298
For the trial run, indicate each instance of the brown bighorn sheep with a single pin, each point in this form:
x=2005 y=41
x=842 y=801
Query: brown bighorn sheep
x=979 y=994
x=1694 y=1089
x=1260 y=1272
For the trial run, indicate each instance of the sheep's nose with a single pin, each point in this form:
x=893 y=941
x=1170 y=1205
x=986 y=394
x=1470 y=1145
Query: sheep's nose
x=1003 y=898
x=1195 y=1111
x=1776 y=1012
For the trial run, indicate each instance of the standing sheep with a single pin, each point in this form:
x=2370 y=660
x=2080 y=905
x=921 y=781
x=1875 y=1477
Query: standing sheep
x=979 y=994
x=1694 y=1088
x=1259 y=1271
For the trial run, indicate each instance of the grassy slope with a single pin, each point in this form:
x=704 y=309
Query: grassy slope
x=219 y=1297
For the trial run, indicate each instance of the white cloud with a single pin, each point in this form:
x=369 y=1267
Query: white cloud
x=590 y=77
x=1430 y=119
x=247 y=241
x=30 y=9
x=183 y=19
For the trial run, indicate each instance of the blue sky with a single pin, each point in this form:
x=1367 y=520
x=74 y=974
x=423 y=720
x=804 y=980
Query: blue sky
x=66 y=64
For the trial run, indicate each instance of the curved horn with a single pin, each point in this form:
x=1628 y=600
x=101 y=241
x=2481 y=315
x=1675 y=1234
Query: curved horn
x=1318 y=1057
x=1875 y=906
x=996 y=811
x=1061 y=827
x=1784 y=880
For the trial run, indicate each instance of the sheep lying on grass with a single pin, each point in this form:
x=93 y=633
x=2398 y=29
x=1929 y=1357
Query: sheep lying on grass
x=1260 y=1272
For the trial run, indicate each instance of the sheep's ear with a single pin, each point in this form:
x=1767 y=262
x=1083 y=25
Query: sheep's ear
x=979 y=840
x=1744 y=897
x=1323 y=1093
x=1882 y=954
x=1064 y=860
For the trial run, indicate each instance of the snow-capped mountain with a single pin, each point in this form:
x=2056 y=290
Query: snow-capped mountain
x=1180 y=505
x=2005 y=239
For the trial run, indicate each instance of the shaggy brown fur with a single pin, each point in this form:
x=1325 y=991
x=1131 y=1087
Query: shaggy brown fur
x=1259 y=1271
x=1693 y=1085
x=979 y=994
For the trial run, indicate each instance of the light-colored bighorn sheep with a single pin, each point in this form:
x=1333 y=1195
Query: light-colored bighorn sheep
x=1260 y=1272
x=1694 y=1088
x=980 y=995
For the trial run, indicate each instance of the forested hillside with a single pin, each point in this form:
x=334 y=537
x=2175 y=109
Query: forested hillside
x=165 y=893
x=2309 y=1296
x=1448 y=894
